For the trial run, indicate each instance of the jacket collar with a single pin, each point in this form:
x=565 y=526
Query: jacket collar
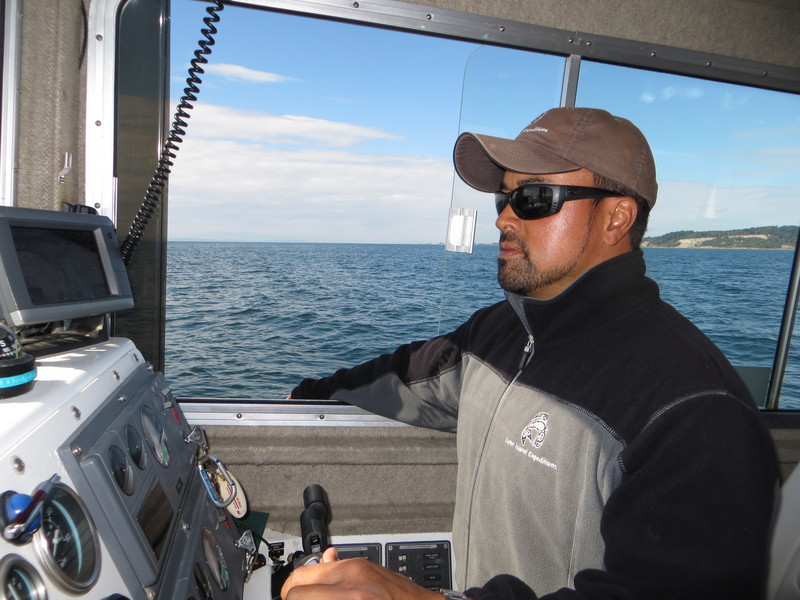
x=606 y=291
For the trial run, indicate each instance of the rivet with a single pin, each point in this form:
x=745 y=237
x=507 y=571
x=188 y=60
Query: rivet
x=98 y=123
x=571 y=40
x=652 y=55
x=122 y=398
x=97 y=205
x=99 y=37
x=77 y=451
x=589 y=42
x=116 y=375
x=502 y=28
x=238 y=415
x=76 y=412
x=428 y=17
x=708 y=63
x=18 y=464
x=322 y=417
x=355 y=4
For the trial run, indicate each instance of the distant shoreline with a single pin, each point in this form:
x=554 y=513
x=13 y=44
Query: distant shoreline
x=781 y=249
x=783 y=237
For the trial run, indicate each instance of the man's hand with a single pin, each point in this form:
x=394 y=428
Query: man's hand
x=351 y=579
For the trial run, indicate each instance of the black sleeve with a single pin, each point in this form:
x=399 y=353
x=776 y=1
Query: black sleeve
x=502 y=587
x=418 y=384
x=691 y=518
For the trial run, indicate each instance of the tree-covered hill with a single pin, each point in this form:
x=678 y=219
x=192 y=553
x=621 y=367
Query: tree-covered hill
x=773 y=237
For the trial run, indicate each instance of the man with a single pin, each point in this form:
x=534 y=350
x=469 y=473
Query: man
x=606 y=448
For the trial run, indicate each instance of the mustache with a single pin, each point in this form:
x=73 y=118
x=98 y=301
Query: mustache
x=512 y=238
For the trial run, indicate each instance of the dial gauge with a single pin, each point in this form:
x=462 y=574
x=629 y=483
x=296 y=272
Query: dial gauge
x=215 y=560
x=135 y=447
x=121 y=469
x=155 y=435
x=19 y=580
x=67 y=542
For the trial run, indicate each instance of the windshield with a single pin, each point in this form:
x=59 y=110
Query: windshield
x=309 y=204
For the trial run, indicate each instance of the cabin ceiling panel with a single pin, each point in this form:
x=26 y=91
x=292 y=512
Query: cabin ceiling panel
x=758 y=30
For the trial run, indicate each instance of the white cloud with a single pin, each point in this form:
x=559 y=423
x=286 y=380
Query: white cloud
x=240 y=73
x=672 y=91
x=226 y=190
x=210 y=121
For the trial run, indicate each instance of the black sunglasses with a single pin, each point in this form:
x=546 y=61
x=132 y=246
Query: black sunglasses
x=537 y=201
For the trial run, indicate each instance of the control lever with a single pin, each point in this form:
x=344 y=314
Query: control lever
x=22 y=525
x=314 y=531
x=314 y=519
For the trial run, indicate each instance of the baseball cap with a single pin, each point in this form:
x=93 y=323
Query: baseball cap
x=560 y=140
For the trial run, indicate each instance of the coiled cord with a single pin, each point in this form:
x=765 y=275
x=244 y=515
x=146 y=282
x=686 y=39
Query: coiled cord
x=175 y=135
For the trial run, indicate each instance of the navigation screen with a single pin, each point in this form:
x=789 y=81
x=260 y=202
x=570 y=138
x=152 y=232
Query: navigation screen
x=60 y=265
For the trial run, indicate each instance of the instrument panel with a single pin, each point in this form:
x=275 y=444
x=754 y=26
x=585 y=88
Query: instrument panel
x=123 y=512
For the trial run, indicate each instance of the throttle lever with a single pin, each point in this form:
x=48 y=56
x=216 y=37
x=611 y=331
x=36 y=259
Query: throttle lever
x=314 y=519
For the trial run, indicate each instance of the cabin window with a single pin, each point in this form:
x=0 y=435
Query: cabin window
x=308 y=203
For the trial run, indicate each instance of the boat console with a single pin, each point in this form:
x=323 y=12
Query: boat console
x=124 y=512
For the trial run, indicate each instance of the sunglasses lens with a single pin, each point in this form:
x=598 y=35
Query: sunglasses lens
x=532 y=202
x=528 y=202
x=500 y=202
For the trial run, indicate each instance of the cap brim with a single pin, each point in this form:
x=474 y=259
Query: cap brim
x=481 y=160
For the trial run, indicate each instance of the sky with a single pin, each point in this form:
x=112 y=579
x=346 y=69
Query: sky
x=313 y=130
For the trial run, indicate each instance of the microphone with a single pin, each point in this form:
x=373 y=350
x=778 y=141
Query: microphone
x=314 y=519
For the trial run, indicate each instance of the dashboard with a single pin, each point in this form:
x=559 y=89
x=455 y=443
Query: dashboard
x=125 y=512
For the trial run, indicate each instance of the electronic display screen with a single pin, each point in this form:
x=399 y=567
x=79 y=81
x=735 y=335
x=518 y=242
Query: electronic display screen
x=57 y=266
x=60 y=265
x=154 y=519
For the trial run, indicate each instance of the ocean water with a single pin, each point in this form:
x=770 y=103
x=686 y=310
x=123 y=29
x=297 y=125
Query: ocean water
x=250 y=320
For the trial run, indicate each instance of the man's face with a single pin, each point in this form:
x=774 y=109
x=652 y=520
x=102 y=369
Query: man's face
x=540 y=258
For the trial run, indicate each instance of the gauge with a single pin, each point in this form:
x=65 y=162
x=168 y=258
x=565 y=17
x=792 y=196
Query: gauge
x=135 y=448
x=215 y=560
x=155 y=435
x=122 y=470
x=201 y=581
x=20 y=580
x=67 y=542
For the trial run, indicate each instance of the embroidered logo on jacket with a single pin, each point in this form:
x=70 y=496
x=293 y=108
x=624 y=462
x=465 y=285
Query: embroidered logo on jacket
x=536 y=430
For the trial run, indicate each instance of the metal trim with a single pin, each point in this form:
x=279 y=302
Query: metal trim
x=99 y=182
x=11 y=67
x=283 y=414
x=569 y=87
x=484 y=29
x=783 y=347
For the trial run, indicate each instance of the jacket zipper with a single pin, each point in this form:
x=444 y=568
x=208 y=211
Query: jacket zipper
x=527 y=355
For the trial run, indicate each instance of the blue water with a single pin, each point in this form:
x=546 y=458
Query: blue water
x=249 y=320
